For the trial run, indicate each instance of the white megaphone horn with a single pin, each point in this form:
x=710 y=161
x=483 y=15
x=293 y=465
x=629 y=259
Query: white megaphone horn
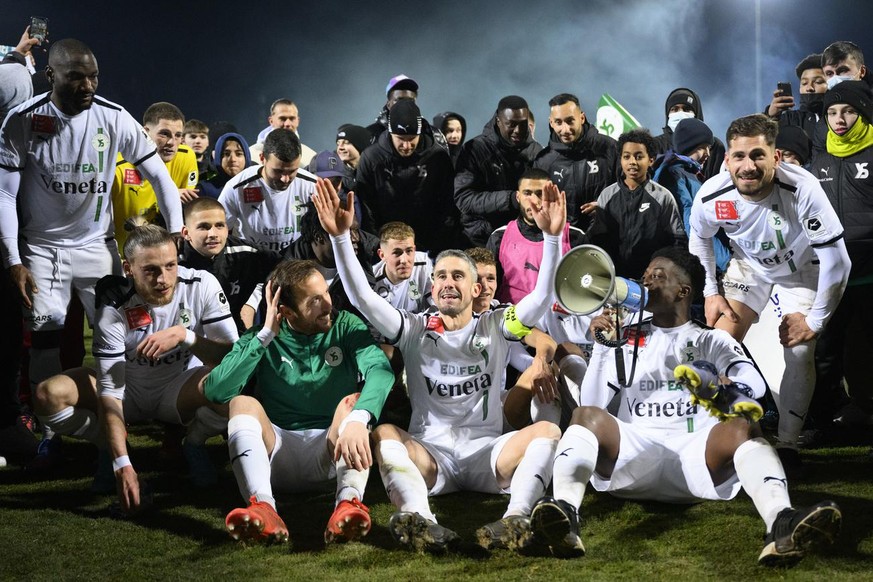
x=585 y=280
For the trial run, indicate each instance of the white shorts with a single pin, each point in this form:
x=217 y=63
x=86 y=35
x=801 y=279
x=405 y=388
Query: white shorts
x=796 y=292
x=659 y=465
x=301 y=460
x=156 y=403
x=468 y=465
x=59 y=271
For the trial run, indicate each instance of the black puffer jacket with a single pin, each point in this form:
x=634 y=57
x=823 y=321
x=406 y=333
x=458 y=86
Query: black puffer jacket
x=582 y=169
x=489 y=168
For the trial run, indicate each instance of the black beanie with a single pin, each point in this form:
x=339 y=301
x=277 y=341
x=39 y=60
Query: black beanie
x=855 y=93
x=682 y=97
x=793 y=138
x=404 y=118
x=689 y=134
x=357 y=136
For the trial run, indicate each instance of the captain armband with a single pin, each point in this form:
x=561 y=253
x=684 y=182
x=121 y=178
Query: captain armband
x=514 y=324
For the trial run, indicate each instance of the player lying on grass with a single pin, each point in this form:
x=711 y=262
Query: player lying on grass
x=152 y=327
x=307 y=423
x=455 y=363
x=663 y=446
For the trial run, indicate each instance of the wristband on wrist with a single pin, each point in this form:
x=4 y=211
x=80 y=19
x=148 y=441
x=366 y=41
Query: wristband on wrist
x=190 y=339
x=121 y=462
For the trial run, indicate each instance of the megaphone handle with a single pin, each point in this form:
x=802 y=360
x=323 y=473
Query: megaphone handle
x=619 y=366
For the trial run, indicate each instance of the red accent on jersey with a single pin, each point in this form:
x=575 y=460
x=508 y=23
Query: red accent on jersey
x=132 y=176
x=556 y=307
x=137 y=317
x=253 y=195
x=43 y=123
x=726 y=210
x=630 y=334
x=434 y=323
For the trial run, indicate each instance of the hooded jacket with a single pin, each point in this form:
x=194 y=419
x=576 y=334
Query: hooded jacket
x=665 y=140
x=416 y=190
x=438 y=122
x=582 y=169
x=213 y=186
x=489 y=168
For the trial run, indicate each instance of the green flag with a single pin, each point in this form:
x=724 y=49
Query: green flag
x=613 y=119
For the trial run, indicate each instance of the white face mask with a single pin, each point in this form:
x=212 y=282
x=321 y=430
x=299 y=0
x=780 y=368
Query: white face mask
x=837 y=79
x=674 y=118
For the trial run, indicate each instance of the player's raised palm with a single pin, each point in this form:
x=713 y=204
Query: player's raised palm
x=335 y=217
x=552 y=214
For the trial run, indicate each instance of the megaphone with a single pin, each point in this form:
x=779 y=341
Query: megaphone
x=585 y=280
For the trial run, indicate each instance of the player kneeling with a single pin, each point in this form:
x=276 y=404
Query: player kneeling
x=663 y=446
x=307 y=424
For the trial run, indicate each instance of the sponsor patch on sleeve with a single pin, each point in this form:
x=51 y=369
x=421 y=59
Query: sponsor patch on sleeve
x=132 y=177
x=137 y=317
x=253 y=195
x=43 y=124
x=726 y=210
x=816 y=229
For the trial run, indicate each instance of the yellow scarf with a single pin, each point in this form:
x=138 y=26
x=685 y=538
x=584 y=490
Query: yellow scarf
x=859 y=137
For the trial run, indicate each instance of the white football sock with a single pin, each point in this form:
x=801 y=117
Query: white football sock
x=795 y=392
x=531 y=477
x=403 y=481
x=249 y=459
x=572 y=369
x=761 y=474
x=75 y=422
x=546 y=411
x=350 y=483
x=207 y=423
x=575 y=459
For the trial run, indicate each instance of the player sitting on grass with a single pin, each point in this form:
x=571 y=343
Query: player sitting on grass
x=455 y=363
x=307 y=423
x=662 y=446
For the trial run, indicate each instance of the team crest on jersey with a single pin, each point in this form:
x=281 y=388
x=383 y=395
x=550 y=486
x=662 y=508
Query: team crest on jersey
x=434 y=323
x=253 y=195
x=132 y=177
x=44 y=124
x=333 y=357
x=635 y=338
x=137 y=317
x=726 y=210
x=100 y=142
x=690 y=353
x=480 y=343
x=775 y=220
x=185 y=317
x=414 y=293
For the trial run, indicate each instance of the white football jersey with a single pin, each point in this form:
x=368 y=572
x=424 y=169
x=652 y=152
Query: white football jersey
x=454 y=377
x=266 y=218
x=67 y=166
x=411 y=294
x=775 y=235
x=564 y=326
x=198 y=304
x=654 y=399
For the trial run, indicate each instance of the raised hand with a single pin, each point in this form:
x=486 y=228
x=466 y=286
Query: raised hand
x=552 y=214
x=335 y=217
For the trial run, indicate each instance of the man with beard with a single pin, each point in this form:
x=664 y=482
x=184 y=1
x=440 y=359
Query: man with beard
x=153 y=329
x=578 y=159
x=783 y=231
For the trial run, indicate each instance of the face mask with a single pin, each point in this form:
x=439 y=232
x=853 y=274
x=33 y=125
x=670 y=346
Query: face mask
x=674 y=118
x=837 y=79
x=811 y=102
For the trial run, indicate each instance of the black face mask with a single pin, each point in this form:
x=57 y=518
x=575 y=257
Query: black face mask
x=812 y=102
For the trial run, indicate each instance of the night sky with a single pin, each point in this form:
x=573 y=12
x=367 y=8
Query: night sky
x=229 y=60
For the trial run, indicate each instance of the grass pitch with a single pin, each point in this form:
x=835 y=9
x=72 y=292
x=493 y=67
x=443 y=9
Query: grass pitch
x=54 y=529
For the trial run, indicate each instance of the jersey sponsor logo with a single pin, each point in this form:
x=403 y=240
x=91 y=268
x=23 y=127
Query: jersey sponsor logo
x=734 y=285
x=333 y=357
x=44 y=124
x=132 y=177
x=40 y=318
x=466 y=388
x=137 y=317
x=253 y=195
x=655 y=385
x=434 y=323
x=776 y=260
x=559 y=173
x=278 y=231
x=753 y=245
x=815 y=228
x=92 y=186
x=593 y=168
x=173 y=357
x=726 y=210
x=861 y=171
x=72 y=168
x=644 y=409
x=460 y=370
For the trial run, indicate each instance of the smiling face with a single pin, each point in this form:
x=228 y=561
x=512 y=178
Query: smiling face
x=567 y=121
x=513 y=125
x=167 y=135
x=635 y=162
x=487 y=287
x=206 y=230
x=154 y=271
x=311 y=312
x=752 y=164
x=454 y=286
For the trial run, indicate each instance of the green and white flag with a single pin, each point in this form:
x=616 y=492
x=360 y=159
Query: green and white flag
x=613 y=119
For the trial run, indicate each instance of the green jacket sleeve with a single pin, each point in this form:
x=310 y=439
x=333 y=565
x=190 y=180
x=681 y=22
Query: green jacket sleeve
x=231 y=375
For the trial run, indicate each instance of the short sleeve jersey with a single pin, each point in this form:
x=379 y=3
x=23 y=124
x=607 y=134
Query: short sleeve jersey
x=454 y=377
x=266 y=218
x=197 y=301
x=776 y=236
x=133 y=195
x=655 y=400
x=67 y=166
x=411 y=294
